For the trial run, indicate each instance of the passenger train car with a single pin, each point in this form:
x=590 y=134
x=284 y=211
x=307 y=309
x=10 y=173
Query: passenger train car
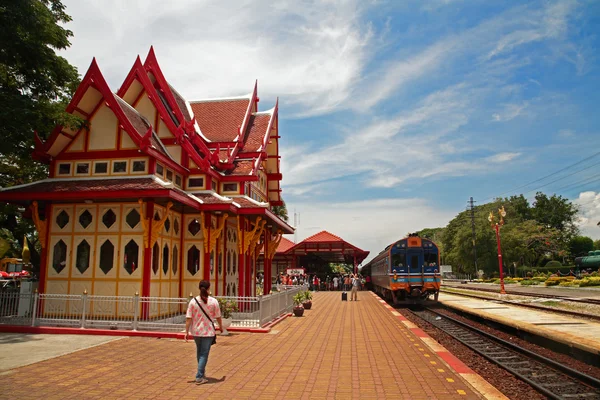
x=407 y=270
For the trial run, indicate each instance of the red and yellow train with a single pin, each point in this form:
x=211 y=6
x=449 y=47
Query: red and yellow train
x=407 y=270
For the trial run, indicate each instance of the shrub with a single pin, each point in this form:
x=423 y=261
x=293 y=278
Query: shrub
x=228 y=307
x=592 y=281
x=567 y=283
x=556 y=280
x=307 y=295
x=553 y=264
x=518 y=279
x=529 y=282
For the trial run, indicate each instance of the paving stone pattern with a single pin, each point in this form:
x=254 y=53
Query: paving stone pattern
x=338 y=350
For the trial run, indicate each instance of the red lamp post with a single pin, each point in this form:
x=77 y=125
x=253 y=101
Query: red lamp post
x=496 y=226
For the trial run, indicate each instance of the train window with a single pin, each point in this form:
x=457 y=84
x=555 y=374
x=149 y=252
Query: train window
x=430 y=258
x=398 y=260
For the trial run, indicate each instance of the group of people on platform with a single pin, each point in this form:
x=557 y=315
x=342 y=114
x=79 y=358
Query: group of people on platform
x=340 y=282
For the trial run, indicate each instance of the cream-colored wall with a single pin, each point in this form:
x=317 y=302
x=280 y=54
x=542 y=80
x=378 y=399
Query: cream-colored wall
x=103 y=130
x=175 y=152
x=78 y=144
x=133 y=91
x=126 y=141
x=231 y=254
x=146 y=108
x=190 y=281
x=117 y=282
x=89 y=100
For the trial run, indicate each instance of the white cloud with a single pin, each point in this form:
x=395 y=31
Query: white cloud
x=387 y=220
x=566 y=134
x=589 y=213
x=502 y=157
x=510 y=111
x=309 y=55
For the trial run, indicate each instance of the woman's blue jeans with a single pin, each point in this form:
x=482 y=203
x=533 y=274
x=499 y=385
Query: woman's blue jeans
x=202 y=349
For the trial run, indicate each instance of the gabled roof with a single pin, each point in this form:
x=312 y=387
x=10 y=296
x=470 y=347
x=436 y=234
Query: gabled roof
x=256 y=132
x=323 y=237
x=329 y=247
x=284 y=245
x=220 y=120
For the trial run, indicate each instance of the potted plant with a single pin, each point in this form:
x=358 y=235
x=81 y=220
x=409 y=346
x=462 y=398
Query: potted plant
x=298 y=309
x=307 y=303
x=228 y=307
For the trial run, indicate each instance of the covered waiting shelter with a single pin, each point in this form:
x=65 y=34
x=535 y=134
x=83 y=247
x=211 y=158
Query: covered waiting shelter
x=324 y=248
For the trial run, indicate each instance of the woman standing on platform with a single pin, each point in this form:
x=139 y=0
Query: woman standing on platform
x=199 y=318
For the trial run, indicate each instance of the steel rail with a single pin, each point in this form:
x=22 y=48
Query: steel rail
x=548 y=377
x=544 y=295
x=533 y=306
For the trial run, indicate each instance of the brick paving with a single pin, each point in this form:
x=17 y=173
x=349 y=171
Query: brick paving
x=338 y=350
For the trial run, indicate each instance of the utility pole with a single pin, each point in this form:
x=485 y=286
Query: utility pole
x=472 y=208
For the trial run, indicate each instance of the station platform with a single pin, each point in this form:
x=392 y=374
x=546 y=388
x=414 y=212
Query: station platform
x=575 y=292
x=574 y=332
x=337 y=350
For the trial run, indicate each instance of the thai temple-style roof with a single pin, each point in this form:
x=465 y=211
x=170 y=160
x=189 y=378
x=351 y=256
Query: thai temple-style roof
x=222 y=141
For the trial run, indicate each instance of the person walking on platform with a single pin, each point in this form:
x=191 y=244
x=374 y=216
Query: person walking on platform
x=355 y=286
x=201 y=312
x=335 y=282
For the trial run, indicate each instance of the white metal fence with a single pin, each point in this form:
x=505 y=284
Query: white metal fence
x=132 y=312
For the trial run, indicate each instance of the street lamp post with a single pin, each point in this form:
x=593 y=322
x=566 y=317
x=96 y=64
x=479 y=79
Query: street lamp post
x=496 y=226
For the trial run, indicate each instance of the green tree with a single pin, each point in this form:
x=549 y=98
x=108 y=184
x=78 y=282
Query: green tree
x=597 y=244
x=556 y=212
x=281 y=211
x=580 y=245
x=35 y=87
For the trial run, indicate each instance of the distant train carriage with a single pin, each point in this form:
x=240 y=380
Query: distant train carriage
x=407 y=270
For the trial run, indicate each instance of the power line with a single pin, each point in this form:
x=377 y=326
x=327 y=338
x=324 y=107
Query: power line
x=566 y=176
x=545 y=177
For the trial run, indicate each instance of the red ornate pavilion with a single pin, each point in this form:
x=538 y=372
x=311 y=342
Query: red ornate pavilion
x=155 y=192
x=314 y=252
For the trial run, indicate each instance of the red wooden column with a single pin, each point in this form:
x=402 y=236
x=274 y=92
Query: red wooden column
x=146 y=271
x=267 y=264
x=241 y=269
x=206 y=261
x=45 y=250
x=181 y=250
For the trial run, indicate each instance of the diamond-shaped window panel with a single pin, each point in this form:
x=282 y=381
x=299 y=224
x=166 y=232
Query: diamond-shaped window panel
x=165 y=259
x=194 y=227
x=85 y=219
x=133 y=218
x=59 y=259
x=107 y=256
x=167 y=225
x=175 y=260
x=131 y=256
x=62 y=219
x=156 y=216
x=83 y=256
x=155 y=258
x=109 y=218
x=193 y=260
x=176 y=226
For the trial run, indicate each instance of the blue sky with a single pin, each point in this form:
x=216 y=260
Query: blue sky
x=392 y=113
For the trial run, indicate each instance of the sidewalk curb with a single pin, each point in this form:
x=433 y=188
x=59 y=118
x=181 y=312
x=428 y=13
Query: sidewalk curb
x=110 y=332
x=479 y=384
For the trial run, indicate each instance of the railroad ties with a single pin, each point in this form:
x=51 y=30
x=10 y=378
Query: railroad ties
x=547 y=376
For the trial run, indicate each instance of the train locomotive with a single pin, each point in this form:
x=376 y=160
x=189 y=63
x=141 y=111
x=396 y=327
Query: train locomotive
x=407 y=270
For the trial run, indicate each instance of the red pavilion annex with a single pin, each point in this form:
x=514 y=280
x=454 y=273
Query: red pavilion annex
x=156 y=192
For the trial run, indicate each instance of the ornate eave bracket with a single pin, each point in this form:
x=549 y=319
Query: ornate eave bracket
x=249 y=236
x=215 y=235
x=40 y=224
x=272 y=245
x=157 y=226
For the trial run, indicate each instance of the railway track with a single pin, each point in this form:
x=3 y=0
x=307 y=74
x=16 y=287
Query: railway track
x=532 y=306
x=518 y=293
x=550 y=378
